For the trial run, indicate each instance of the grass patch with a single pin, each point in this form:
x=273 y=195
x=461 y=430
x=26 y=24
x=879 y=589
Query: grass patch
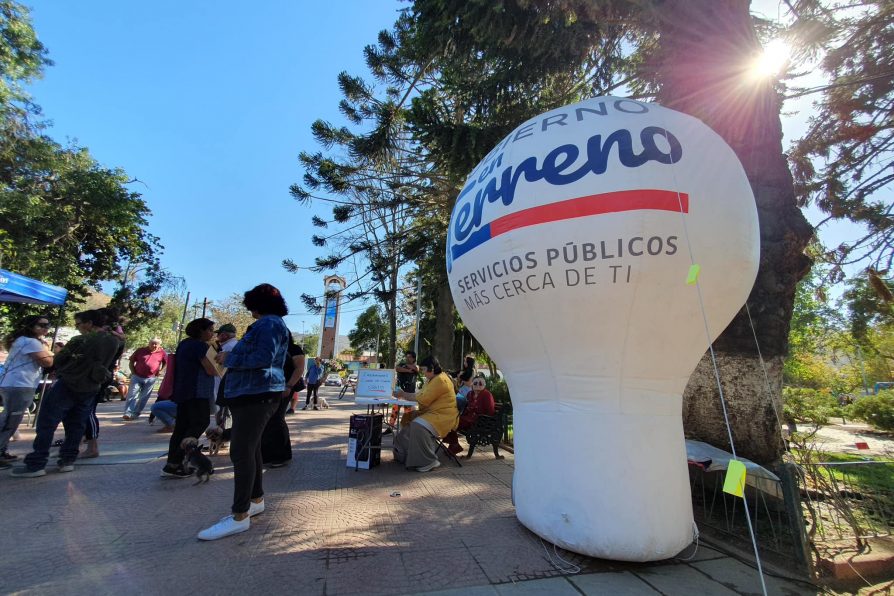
x=874 y=477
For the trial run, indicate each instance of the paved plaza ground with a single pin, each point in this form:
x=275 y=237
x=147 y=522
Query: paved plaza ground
x=114 y=526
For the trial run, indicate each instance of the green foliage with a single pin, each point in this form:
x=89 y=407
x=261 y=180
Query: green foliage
x=877 y=410
x=310 y=342
x=869 y=303
x=65 y=218
x=138 y=293
x=809 y=405
x=814 y=326
x=499 y=389
x=163 y=325
x=843 y=164
x=22 y=59
x=371 y=332
x=809 y=370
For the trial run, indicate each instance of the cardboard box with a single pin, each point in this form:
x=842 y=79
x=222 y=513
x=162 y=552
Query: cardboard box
x=365 y=441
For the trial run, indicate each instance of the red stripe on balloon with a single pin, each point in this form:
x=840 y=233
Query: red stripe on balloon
x=610 y=202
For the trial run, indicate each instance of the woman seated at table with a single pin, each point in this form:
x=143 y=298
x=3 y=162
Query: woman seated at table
x=480 y=402
x=415 y=444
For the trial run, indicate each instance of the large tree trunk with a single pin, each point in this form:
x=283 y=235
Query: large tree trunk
x=705 y=50
x=445 y=328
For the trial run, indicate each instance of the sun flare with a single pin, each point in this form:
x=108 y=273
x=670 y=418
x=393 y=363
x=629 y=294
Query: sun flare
x=773 y=60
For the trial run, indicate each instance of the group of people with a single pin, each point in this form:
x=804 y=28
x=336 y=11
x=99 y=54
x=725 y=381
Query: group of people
x=445 y=405
x=81 y=368
x=252 y=381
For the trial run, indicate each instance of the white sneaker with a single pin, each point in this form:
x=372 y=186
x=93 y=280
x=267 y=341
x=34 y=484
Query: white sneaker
x=429 y=467
x=227 y=526
x=255 y=508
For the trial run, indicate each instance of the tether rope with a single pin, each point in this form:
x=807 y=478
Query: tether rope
x=714 y=365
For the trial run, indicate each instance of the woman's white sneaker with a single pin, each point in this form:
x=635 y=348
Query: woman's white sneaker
x=227 y=526
x=255 y=508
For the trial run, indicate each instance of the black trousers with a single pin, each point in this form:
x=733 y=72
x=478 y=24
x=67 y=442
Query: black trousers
x=192 y=419
x=312 y=388
x=275 y=444
x=249 y=420
x=92 y=431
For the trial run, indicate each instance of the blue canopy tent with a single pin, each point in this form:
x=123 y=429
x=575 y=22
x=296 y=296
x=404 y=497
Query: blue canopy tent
x=24 y=290
x=18 y=288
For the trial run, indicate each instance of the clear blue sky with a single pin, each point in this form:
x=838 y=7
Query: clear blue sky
x=209 y=104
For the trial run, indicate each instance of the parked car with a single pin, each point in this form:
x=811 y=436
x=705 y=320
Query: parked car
x=333 y=380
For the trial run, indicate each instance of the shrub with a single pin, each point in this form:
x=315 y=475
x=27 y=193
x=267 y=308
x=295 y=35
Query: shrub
x=877 y=410
x=499 y=390
x=813 y=406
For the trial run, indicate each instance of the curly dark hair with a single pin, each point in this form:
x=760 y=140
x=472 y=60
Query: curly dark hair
x=265 y=299
x=195 y=327
x=23 y=329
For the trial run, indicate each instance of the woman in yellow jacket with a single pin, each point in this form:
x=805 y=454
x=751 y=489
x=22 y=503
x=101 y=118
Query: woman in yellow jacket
x=415 y=444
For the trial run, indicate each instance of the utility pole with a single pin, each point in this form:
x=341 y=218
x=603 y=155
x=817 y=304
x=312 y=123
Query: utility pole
x=182 y=318
x=204 y=306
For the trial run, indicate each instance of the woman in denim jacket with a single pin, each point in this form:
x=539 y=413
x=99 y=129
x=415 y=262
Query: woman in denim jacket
x=255 y=382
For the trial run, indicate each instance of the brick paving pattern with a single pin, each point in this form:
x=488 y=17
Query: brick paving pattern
x=114 y=526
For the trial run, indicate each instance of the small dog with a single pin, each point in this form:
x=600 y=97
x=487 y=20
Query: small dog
x=324 y=404
x=215 y=439
x=195 y=461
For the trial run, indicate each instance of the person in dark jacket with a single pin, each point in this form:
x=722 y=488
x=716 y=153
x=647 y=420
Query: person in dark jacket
x=193 y=392
x=276 y=446
x=82 y=367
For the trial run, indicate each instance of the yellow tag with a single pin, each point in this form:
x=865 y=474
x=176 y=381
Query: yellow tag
x=734 y=483
x=692 y=278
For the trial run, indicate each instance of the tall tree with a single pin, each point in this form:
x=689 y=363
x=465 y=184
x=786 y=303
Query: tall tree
x=67 y=219
x=64 y=217
x=689 y=56
x=22 y=60
x=702 y=66
x=372 y=215
x=381 y=176
x=844 y=164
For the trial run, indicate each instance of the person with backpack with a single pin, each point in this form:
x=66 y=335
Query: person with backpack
x=82 y=367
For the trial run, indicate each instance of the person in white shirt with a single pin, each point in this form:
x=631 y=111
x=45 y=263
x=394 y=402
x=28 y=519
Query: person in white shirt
x=226 y=341
x=28 y=353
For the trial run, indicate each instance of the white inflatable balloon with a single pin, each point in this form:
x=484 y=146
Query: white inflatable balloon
x=568 y=255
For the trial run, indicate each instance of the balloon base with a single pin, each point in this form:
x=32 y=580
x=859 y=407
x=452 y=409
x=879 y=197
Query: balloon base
x=604 y=485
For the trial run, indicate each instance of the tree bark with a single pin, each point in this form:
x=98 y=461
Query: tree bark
x=445 y=328
x=706 y=47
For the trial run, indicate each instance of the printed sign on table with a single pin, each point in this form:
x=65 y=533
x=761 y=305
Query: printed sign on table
x=375 y=382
